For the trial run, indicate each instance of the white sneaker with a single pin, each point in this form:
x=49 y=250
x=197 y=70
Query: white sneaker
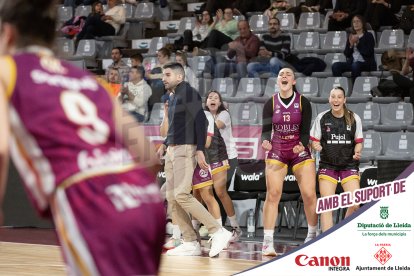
x=236 y=234
x=172 y=243
x=203 y=231
x=268 y=248
x=220 y=240
x=310 y=237
x=186 y=249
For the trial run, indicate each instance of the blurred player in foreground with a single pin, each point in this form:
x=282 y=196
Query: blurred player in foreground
x=80 y=158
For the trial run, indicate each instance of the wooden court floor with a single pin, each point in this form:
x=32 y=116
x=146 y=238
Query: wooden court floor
x=35 y=252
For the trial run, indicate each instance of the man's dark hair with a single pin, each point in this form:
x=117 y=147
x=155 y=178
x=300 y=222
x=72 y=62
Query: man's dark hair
x=119 y=49
x=138 y=57
x=140 y=70
x=35 y=21
x=176 y=67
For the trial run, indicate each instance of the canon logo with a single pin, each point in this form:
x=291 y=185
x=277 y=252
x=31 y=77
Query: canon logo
x=304 y=260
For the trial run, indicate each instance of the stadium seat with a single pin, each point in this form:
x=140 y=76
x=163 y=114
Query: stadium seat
x=65 y=47
x=156 y=44
x=368 y=112
x=309 y=21
x=307 y=42
x=112 y=41
x=325 y=22
x=307 y=86
x=410 y=42
x=144 y=11
x=395 y=117
x=64 y=13
x=329 y=59
x=287 y=21
x=244 y=114
x=198 y=63
x=361 y=91
x=328 y=84
x=83 y=10
x=390 y=39
x=259 y=23
x=87 y=51
x=129 y=10
x=372 y=146
x=239 y=17
x=271 y=87
x=334 y=41
x=248 y=89
x=157 y=114
x=225 y=86
x=399 y=146
x=142 y=19
x=186 y=23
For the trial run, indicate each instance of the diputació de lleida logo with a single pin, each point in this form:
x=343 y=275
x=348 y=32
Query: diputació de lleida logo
x=384 y=212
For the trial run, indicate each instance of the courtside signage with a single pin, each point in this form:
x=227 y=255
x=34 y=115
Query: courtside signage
x=376 y=240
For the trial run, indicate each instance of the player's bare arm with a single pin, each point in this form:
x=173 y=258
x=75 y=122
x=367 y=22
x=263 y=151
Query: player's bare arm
x=133 y=136
x=4 y=133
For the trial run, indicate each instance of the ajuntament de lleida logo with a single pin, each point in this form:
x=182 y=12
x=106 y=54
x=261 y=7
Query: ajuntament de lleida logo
x=384 y=212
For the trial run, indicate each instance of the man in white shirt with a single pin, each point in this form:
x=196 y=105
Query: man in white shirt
x=136 y=93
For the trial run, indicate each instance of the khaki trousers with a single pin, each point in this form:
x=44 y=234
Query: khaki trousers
x=180 y=162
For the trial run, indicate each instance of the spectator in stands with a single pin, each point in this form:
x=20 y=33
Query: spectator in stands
x=136 y=59
x=245 y=6
x=337 y=160
x=136 y=94
x=224 y=29
x=343 y=13
x=114 y=81
x=359 y=51
x=382 y=13
x=109 y=24
x=97 y=9
x=190 y=77
x=311 y=6
x=242 y=49
x=275 y=7
x=197 y=37
x=406 y=85
x=118 y=63
x=155 y=75
x=212 y=6
x=274 y=51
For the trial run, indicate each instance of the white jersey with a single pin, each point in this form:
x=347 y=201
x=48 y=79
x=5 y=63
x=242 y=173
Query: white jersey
x=227 y=134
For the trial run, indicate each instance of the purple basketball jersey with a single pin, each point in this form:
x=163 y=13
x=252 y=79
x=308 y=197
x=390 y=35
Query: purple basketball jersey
x=286 y=122
x=108 y=211
x=57 y=128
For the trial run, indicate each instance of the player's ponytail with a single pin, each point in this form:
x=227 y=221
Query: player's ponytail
x=349 y=116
